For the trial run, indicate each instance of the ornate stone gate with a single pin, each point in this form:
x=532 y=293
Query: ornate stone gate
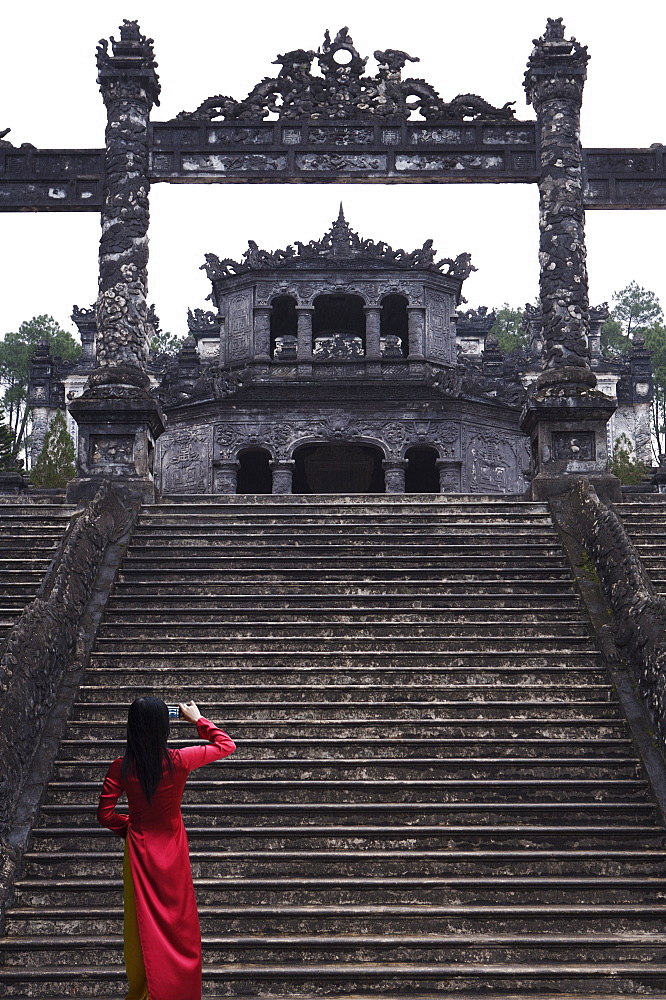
x=338 y=125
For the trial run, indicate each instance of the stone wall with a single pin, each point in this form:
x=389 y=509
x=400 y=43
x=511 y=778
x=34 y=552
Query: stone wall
x=44 y=642
x=639 y=612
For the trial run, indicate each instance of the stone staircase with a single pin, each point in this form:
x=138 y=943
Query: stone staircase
x=435 y=792
x=29 y=536
x=645 y=520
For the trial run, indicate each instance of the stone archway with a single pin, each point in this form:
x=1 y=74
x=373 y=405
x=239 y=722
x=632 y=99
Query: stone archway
x=254 y=473
x=338 y=467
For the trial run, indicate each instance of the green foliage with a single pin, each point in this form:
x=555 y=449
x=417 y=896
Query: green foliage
x=508 y=328
x=55 y=465
x=636 y=310
x=15 y=352
x=625 y=465
x=8 y=459
x=166 y=343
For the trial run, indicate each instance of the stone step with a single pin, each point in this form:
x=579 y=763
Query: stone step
x=386 y=631
x=127 y=618
x=90 y=696
x=310 y=837
x=278 y=949
x=359 y=713
x=528 y=539
x=437 y=644
x=285 y=813
x=364 y=919
x=358 y=768
x=340 y=979
x=361 y=729
x=243 y=553
x=367 y=746
x=410 y=790
x=416 y=891
x=194 y=668
x=563 y=602
x=220 y=864
x=393 y=670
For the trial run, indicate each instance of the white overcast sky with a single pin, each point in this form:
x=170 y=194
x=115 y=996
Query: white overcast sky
x=50 y=98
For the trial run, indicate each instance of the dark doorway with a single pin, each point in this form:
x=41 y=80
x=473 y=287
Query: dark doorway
x=422 y=475
x=284 y=322
x=254 y=475
x=338 y=326
x=338 y=468
x=393 y=326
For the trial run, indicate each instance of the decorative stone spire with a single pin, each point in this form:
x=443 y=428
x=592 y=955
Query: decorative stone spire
x=554 y=82
x=130 y=87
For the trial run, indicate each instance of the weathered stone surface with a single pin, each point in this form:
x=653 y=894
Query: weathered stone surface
x=640 y=613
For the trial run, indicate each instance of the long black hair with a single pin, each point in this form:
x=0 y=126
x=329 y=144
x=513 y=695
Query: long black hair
x=147 y=734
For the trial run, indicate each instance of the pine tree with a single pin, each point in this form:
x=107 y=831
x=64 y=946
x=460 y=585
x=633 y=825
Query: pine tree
x=55 y=465
x=8 y=460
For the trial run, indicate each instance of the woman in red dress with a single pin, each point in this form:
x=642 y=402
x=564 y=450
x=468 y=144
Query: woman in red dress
x=162 y=935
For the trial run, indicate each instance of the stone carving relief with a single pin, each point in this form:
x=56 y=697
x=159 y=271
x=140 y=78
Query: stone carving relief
x=112 y=452
x=491 y=464
x=340 y=245
x=343 y=91
x=576 y=447
x=185 y=460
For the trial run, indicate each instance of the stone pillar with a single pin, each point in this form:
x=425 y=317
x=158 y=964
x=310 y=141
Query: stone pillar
x=118 y=418
x=373 y=319
x=566 y=416
x=305 y=314
x=226 y=476
x=283 y=471
x=394 y=475
x=45 y=396
x=415 y=332
x=449 y=475
x=262 y=333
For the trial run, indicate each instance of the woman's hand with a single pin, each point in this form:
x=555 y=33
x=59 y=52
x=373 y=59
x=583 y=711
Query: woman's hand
x=189 y=711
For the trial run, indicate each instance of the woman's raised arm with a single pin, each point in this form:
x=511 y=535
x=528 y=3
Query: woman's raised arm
x=220 y=744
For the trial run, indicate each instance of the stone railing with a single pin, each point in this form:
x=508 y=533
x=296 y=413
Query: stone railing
x=640 y=613
x=50 y=638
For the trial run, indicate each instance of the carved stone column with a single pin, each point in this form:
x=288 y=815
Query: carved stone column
x=226 y=476
x=305 y=315
x=416 y=332
x=117 y=416
x=566 y=416
x=449 y=475
x=262 y=333
x=373 y=318
x=283 y=472
x=394 y=475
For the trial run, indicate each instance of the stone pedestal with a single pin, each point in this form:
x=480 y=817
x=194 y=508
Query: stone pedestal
x=394 y=476
x=283 y=473
x=569 y=442
x=119 y=422
x=226 y=476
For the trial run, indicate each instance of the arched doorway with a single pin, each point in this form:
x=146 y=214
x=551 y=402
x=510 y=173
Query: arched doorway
x=338 y=468
x=254 y=474
x=421 y=475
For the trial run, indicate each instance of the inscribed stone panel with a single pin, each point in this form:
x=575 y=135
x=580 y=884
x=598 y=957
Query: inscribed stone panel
x=438 y=327
x=239 y=325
